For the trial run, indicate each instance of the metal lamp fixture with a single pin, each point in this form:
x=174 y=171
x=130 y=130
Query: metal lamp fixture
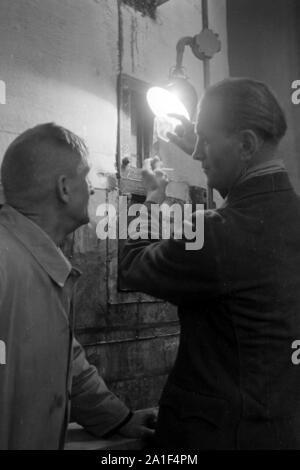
x=203 y=46
x=179 y=96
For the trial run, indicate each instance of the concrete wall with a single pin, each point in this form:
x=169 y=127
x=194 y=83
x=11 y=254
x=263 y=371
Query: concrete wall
x=60 y=60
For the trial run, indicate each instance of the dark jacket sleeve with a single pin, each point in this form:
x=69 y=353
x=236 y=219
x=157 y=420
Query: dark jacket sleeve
x=92 y=404
x=167 y=270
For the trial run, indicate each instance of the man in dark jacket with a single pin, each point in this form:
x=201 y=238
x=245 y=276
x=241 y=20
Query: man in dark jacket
x=44 y=374
x=234 y=384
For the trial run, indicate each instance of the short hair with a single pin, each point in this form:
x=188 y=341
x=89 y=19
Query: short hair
x=249 y=104
x=37 y=156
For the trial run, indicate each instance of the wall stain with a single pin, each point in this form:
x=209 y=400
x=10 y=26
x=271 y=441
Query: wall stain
x=134 y=50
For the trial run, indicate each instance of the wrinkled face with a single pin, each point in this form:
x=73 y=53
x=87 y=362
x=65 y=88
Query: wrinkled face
x=80 y=191
x=218 y=151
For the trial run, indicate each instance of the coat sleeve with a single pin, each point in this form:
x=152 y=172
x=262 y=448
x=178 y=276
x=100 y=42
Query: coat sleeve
x=166 y=269
x=93 y=405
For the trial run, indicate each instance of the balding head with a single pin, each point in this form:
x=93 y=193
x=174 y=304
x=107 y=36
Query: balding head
x=34 y=161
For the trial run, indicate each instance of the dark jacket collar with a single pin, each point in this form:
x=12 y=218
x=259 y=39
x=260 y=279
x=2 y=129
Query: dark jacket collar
x=272 y=182
x=40 y=245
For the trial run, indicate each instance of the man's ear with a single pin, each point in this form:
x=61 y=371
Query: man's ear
x=63 y=189
x=250 y=144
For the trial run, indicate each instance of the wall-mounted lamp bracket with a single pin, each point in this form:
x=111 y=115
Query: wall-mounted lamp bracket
x=180 y=47
x=204 y=46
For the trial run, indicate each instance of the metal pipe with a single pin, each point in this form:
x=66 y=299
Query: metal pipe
x=205 y=14
x=180 y=47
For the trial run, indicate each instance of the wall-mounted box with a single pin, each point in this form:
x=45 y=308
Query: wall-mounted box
x=135 y=132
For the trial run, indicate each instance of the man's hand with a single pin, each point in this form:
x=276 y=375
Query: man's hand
x=155 y=180
x=184 y=137
x=141 y=425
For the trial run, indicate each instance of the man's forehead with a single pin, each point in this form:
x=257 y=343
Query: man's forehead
x=209 y=117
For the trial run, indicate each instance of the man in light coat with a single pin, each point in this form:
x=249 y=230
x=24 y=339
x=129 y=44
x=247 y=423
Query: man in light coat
x=44 y=375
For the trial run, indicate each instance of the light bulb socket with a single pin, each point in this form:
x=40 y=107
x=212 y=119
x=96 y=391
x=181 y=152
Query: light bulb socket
x=180 y=86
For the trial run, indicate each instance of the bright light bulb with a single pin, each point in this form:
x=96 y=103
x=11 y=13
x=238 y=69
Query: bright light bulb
x=162 y=103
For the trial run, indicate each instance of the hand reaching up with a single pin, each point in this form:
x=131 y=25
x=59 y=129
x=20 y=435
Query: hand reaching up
x=155 y=180
x=184 y=136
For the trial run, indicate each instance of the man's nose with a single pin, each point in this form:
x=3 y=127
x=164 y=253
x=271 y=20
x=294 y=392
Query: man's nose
x=91 y=188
